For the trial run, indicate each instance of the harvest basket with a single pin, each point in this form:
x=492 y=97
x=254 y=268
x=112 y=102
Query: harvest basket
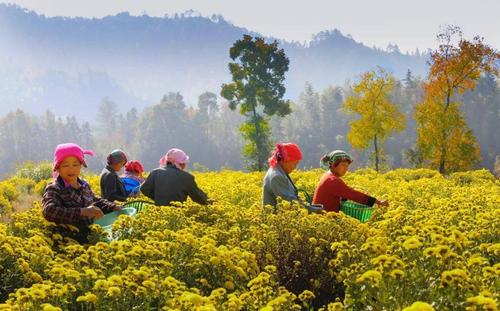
x=139 y=205
x=106 y=222
x=359 y=211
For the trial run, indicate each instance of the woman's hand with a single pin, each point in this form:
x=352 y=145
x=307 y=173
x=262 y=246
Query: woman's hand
x=117 y=208
x=383 y=203
x=92 y=212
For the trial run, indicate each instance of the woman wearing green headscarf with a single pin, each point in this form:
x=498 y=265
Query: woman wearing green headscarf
x=332 y=189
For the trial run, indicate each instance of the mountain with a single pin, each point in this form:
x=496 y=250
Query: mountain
x=69 y=64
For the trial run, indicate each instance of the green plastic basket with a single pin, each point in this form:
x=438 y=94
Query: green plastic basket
x=359 y=211
x=139 y=205
x=106 y=222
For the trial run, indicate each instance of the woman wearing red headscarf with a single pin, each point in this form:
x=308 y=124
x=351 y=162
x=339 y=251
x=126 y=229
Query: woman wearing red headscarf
x=132 y=179
x=277 y=182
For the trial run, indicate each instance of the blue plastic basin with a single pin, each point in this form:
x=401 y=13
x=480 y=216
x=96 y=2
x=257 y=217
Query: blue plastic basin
x=108 y=219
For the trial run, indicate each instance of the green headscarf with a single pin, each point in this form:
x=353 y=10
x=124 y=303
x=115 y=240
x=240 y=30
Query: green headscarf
x=334 y=156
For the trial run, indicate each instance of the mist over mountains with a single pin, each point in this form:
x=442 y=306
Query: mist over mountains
x=69 y=64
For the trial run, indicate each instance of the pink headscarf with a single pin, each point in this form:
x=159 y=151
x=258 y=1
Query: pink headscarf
x=176 y=157
x=70 y=150
x=285 y=152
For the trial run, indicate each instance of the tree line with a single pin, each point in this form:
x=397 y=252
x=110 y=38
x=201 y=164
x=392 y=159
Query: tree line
x=209 y=131
x=447 y=120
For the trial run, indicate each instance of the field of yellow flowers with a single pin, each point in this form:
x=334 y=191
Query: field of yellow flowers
x=437 y=247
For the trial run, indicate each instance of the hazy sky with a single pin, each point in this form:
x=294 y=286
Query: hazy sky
x=410 y=24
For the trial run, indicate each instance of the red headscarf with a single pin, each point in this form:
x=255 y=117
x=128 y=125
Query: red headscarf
x=285 y=152
x=134 y=166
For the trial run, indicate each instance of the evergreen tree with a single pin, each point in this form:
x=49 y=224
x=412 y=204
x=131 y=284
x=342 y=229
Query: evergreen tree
x=257 y=88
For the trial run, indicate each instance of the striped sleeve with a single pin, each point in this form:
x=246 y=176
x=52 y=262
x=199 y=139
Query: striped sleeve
x=53 y=210
x=105 y=205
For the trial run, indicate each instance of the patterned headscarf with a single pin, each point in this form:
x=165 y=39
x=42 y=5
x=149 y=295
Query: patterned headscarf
x=333 y=157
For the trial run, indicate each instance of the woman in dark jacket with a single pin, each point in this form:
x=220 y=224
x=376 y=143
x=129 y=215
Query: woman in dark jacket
x=170 y=183
x=112 y=187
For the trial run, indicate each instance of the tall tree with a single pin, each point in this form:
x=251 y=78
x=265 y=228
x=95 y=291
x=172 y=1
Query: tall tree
x=161 y=127
x=444 y=139
x=257 y=88
x=482 y=112
x=310 y=125
x=226 y=140
x=378 y=116
x=409 y=80
x=407 y=93
x=129 y=128
x=207 y=108
x=108 y=122
x=333 y=120
x=20 y=140
x=86 y=138
x=53 y=131
x=207 y=103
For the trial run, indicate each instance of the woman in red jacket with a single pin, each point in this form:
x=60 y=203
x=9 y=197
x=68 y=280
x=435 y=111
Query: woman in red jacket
x=332 y=189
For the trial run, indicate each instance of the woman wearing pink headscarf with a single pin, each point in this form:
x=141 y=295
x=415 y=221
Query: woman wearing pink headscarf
x=69 y=199
x=170 y=182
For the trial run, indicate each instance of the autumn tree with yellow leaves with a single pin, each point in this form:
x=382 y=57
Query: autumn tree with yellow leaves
x=444 y=141
x=378 y=115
